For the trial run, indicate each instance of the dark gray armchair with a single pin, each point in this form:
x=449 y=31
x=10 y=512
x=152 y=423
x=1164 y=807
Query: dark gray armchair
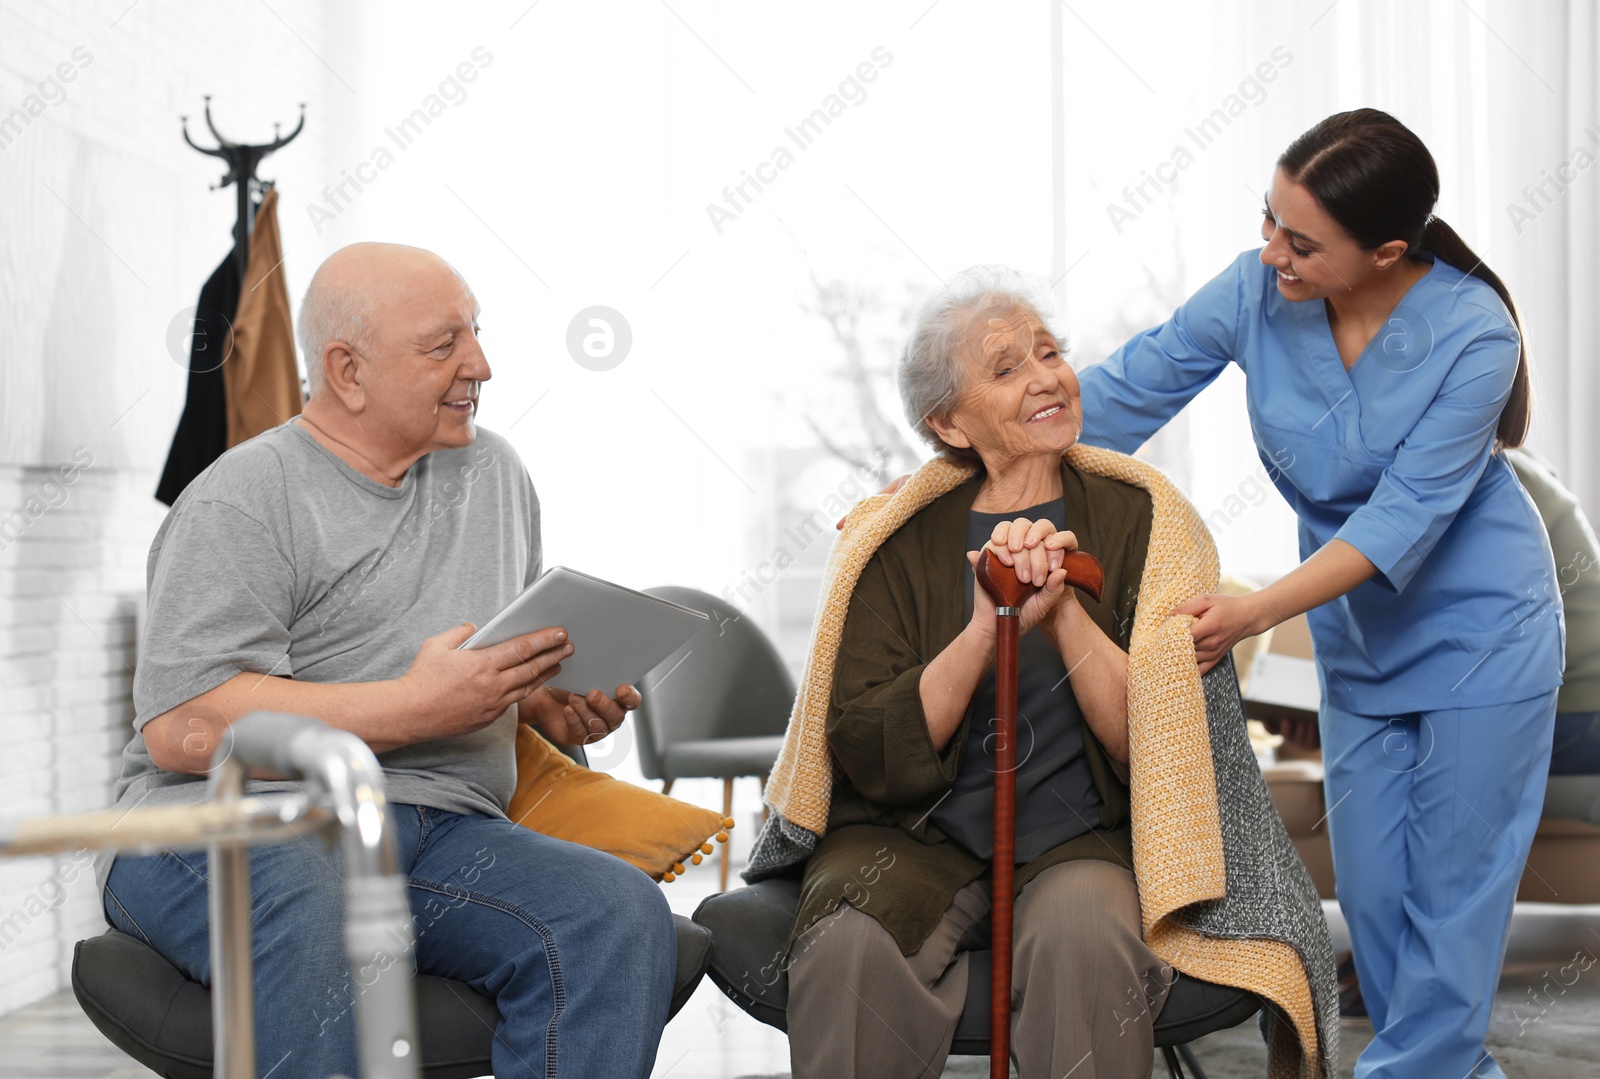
x=153 y=1012
x=750 y=927
x=716 y=708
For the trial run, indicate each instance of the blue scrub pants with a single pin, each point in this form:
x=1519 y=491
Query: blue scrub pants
x=1431 y=815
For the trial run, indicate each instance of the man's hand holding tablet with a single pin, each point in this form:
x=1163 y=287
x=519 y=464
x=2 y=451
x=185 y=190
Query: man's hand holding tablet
x=575 y=719
x=457 y=690
x=619 y=635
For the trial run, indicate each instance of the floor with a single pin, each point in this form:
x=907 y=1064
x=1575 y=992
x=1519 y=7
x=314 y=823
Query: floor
x=1540 y=1027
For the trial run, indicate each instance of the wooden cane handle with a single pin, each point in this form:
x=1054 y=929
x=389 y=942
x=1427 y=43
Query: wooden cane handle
x=1084 y=573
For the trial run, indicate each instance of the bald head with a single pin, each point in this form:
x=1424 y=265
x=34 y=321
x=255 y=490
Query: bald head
x=391 y=341
x=355 y=293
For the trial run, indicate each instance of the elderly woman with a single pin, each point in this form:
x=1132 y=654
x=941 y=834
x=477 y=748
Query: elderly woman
x=898 y=887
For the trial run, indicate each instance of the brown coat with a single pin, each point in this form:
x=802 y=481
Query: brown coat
x=261 y=379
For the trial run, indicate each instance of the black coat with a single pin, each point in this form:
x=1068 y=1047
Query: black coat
x=202 y=433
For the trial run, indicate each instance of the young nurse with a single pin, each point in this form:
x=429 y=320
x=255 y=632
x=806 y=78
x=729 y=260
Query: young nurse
x=1384 y=371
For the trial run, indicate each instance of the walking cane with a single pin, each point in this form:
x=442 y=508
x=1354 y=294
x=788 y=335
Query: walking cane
x=1000 y=582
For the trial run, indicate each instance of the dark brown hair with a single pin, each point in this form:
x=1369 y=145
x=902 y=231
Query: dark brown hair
x=1378 y=181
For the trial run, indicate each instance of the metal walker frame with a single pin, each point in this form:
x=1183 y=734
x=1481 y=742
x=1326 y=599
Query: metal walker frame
x=344 y=799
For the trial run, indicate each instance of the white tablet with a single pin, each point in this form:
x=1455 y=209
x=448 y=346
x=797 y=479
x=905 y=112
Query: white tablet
x=617 y=634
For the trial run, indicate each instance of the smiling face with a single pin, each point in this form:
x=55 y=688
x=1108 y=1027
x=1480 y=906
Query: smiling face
x=1313 y=254
x=421 y=373
x=1020 y=397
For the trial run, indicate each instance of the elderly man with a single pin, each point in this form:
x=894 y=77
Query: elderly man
x=330 y=568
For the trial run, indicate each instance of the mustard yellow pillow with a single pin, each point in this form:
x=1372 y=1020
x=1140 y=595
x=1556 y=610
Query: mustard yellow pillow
x=560 y=798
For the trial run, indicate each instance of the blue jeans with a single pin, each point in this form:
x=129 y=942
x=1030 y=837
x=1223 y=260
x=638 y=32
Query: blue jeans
x=575 y=946
x=1431 y=816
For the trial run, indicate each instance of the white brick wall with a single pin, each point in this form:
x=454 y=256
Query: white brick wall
x=107 y=231
x=69 y=584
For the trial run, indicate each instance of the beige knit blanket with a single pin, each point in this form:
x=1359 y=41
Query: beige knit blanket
x=1177 y=836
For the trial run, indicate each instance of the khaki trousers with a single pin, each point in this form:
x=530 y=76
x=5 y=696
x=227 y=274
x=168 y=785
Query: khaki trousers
x=1084 y=986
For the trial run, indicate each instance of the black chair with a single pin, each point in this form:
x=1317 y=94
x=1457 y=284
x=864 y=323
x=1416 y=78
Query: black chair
x=153 y=1012
x=750 y=926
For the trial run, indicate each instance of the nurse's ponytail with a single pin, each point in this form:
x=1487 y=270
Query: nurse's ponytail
x=1378 y=181
x=1447 y=246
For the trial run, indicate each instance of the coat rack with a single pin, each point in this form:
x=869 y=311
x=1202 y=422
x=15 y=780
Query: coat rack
x=242 y=159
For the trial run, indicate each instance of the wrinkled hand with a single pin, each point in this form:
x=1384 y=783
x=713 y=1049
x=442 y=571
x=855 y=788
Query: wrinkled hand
x=1222 y=622
x=576 y=719
x=1036 y=550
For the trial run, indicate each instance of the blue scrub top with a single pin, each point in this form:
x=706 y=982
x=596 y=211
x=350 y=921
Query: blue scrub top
x=1393 y=456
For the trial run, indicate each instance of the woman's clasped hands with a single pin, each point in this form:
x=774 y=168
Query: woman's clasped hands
x=1036 y=550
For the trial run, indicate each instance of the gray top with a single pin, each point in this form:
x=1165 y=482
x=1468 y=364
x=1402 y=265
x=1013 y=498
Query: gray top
x=1577 y=554
x=281 y=559
x=1056 y=796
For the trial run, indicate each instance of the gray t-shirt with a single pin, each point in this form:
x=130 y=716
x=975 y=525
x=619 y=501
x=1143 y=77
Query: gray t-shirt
x=281 y=559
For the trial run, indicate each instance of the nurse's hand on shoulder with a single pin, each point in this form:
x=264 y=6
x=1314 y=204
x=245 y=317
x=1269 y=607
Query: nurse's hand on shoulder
x=1222 y=622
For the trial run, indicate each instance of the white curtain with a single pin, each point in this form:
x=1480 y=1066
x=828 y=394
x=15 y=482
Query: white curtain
x=1504 y=94
x=1538 y=128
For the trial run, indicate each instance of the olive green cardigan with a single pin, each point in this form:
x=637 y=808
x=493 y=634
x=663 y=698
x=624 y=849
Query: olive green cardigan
x=882 y=853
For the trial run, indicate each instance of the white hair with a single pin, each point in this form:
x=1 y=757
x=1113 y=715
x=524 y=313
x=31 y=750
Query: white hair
x=931 y=373
x=330 y=312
